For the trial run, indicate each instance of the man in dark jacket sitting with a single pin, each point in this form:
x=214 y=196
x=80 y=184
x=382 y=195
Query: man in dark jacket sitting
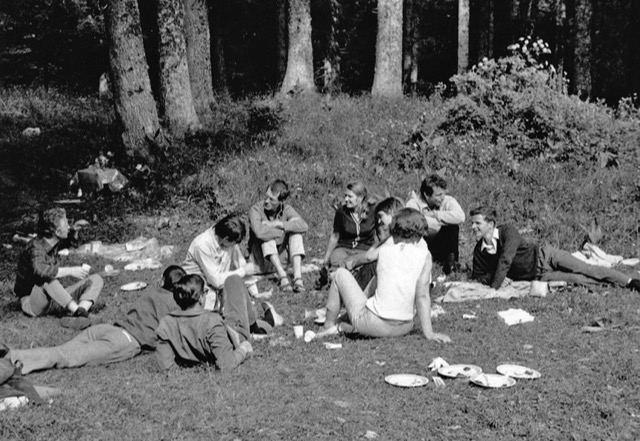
x=502 y=254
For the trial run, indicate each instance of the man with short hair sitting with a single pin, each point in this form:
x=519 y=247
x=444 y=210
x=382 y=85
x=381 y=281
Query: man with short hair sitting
x=502 y=254
x=444 y=216
x=37 y=283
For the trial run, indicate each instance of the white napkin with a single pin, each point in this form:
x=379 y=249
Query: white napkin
x=515 y=316
x=437 y=363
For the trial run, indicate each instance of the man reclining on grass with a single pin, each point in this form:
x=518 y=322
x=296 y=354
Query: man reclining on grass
x=37 y=283
x=103 y=343
x=502 y=254
x=194 y=335
x=402 y=287
x=276 y=232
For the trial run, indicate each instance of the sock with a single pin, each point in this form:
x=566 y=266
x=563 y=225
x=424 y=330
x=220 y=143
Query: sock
x=86 y=304
x=72 y=306
x=253 y=289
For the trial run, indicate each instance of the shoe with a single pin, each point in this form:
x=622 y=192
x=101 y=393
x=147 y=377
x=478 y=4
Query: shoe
x=323 y=279
x=81 y=312
x=271 y=316
x=298 y=285
x=285 y=285
x=634 y=285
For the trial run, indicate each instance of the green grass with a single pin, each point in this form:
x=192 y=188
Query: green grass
x=589 y=389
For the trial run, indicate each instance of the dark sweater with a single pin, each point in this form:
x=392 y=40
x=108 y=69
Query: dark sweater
x=516 y=258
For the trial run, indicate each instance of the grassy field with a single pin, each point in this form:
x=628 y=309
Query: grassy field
x=589 y=389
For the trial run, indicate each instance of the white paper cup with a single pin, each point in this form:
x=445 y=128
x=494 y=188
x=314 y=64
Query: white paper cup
x=539 y=289
x=298 y=331
x=86 y=267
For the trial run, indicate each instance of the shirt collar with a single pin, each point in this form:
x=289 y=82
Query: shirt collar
x=493 y=248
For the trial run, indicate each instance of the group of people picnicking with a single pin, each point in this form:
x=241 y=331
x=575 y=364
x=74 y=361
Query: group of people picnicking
x=378 y=266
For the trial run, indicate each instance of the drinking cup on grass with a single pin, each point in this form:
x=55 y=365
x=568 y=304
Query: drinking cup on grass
x=86 y=267
x=298 y=331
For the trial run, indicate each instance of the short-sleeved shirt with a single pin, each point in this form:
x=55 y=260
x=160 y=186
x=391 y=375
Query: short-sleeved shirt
x=352 y=234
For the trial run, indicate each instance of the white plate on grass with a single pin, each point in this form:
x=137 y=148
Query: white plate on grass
x=493 y=381
x=460 y=371
x=133 y=286
x=406 y=380
x=517 y=371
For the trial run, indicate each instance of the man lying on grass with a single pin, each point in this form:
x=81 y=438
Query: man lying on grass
x=102 y=343
x=37 y=279
x=502 y=254
x=194 y=335
x=402 y=286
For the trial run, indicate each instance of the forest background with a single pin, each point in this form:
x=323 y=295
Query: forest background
x=549 y=137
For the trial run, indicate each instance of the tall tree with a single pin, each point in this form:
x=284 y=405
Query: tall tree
x=579 y=13
x=299 y=73
x=463 y=35
x=133 y=99
x=481 y=29
x=281 y=44
x=220 y=84
x=198 y=40
x=411 y=45
x=387 y=79
x=175 y=87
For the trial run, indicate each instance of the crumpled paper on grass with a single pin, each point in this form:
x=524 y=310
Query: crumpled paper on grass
x=515 y=316
x=466 y=291
x=139 y=249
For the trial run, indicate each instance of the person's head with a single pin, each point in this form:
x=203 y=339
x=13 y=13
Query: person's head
x=277 y=193
x=355 y=195
x=230 y=230
x=483 y=221
x=188 y=291
x=171 y=276
x=53 y=223
x=433 y=190
x=386 y=209
x=408 y=224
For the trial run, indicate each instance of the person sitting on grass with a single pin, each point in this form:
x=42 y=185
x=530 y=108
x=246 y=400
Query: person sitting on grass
x=194 y=335
x=104 y=343
x=444 y=217
x=502 y=255
x=215 y=255
x=402 y=287
x=363 y=266
x=353 y=230
x=37 y=277
x=276 y=231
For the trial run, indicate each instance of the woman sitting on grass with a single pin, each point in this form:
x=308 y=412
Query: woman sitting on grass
x=353 y=229
x=403 y=276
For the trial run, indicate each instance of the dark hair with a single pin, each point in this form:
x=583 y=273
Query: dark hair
x=426 y=188
x=171 y=276
x=188 y=291
x=489 y=213
x=389 y=206
x=49 y=221
x=408 y=224
x=231 y=227
x=280 y=188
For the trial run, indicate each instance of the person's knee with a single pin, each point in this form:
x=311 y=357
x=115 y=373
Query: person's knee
x=97 y=282
x=340 y=274
x=233 y=282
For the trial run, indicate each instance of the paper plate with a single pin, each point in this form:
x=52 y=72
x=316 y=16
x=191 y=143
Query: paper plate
x=493 y=380
x=630 y=262
x=133 y=286
x=460 y=371
x=406 y=380
x=517 y=371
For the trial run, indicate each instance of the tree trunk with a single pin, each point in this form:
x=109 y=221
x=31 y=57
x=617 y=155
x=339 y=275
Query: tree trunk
x=196 y=24
x=133 y=99
x=481 y=23
x=175 y=88
x=579 y=15
x=411 y=46
x=387 y=80
x=281 y=62
x=220 y=84
x=331 y=62
x=299 y=74
x=463 y=36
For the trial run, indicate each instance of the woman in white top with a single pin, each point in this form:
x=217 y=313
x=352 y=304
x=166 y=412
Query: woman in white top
x=403 y=276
